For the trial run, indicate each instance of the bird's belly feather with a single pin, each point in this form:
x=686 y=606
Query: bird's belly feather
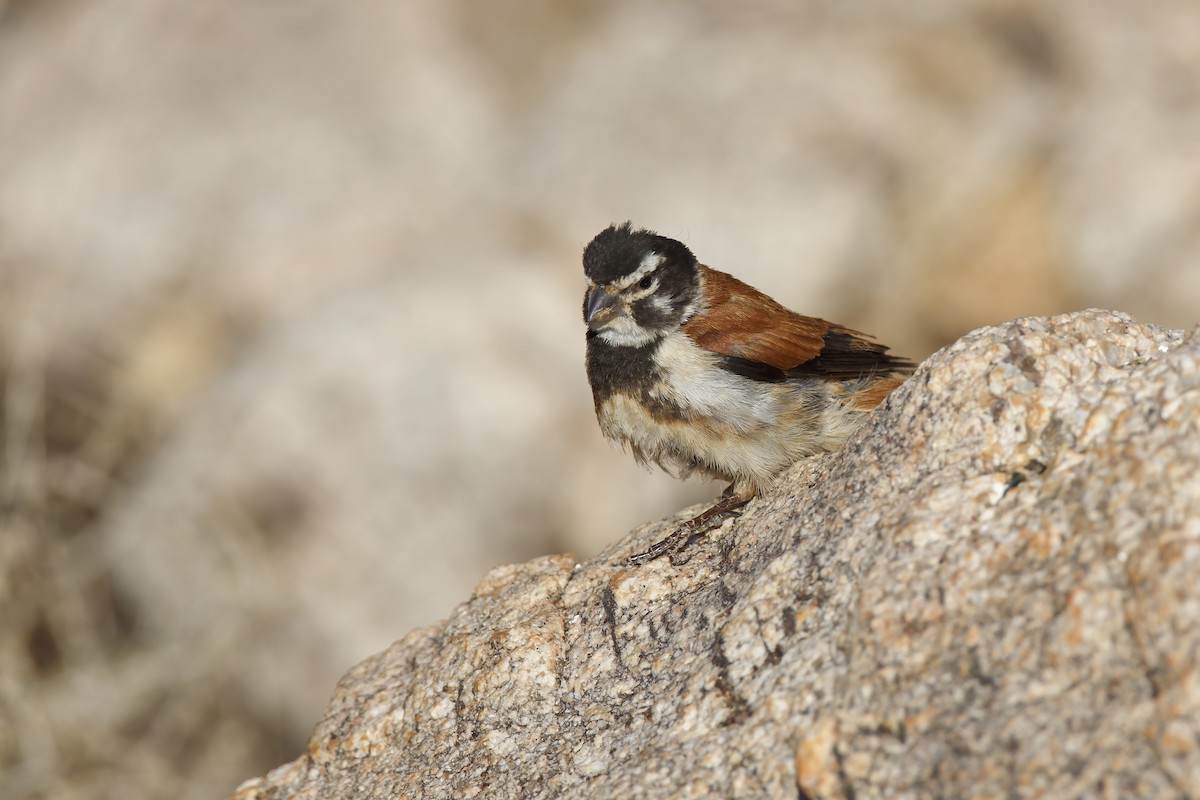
x=741 y=436
x=694 y=416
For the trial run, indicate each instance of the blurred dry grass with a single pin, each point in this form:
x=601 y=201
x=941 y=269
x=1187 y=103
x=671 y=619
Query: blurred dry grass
x=289 y=338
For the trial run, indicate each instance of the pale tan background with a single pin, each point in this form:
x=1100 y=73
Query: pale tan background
x=290 y=348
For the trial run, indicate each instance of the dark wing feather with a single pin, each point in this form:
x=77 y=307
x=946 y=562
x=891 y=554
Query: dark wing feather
x=849 y=354
x=761 y=339
x=754 y=370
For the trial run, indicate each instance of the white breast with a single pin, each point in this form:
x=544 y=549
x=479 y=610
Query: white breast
x=723 y=424
x=694 y=381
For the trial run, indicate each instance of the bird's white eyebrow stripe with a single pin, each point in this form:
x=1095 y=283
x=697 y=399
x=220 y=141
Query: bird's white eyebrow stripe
x=650 y=262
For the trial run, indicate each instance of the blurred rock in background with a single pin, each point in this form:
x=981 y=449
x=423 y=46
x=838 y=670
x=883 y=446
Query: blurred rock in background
x=290 y=348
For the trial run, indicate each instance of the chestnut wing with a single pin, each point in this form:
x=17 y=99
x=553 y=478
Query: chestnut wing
x=760 y=339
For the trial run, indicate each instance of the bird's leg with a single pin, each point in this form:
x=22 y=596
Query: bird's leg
x=726 y=507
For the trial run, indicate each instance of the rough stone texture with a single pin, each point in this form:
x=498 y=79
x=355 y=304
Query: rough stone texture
x=990 y=592
x=228 y=230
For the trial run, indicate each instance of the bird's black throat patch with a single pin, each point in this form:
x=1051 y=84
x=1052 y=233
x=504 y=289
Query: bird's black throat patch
x=613 y=369
x=630 y=371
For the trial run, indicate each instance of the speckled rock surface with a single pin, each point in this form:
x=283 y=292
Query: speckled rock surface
x=990 y=592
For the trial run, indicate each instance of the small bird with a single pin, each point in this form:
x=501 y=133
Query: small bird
x=697 y=372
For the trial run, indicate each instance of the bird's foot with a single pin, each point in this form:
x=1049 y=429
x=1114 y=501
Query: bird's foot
x=693 y=529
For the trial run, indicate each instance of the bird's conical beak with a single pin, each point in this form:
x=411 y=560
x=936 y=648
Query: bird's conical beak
x=595 y=304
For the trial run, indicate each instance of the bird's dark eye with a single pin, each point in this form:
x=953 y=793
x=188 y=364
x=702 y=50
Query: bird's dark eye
x=646 y=282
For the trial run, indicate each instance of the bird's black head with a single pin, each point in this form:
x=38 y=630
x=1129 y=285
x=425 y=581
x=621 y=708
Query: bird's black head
x=641 y=286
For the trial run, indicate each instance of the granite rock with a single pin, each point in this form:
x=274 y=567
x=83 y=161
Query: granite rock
x=990 y=591
x=224 y=227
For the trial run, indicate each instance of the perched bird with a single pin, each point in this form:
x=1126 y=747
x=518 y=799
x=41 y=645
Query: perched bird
x=697 y=372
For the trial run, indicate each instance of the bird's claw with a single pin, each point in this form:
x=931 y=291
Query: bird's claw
x=678 y=541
